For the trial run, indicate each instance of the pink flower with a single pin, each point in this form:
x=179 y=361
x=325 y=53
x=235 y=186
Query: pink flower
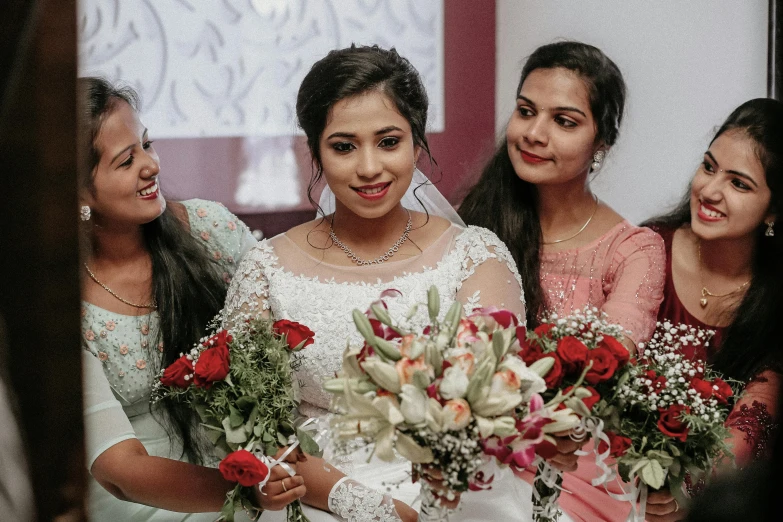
x=110 y=325
x=160 y=347
x=201 y=212
x=124 y=349
x=89 y=335
x=405 y=345
x=231 y=225
x=217 y=255
x=406 y=368
x=103 y=356
x=205 y=235
x=141 y=364
x=466 y=332
x=496 y=447
x=495 y=318
x=456 y=414
x=466 y=361
x=145 y=329
x=505 y=381
x=479 y=483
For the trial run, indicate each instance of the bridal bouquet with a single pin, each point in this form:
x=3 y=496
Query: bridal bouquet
x=588 y=359
x=667 y=419
x=241 y=384
x=449 y=397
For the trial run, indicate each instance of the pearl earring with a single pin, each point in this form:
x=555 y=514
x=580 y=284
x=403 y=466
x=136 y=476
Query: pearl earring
x=85 y=213
x=598 y=158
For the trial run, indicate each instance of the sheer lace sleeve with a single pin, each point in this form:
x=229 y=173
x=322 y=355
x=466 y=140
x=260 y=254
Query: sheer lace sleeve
x=353 y=502
x=634 y=288
x=249 y=289
x=489 y=274
x=752 y=421
x=105 y=422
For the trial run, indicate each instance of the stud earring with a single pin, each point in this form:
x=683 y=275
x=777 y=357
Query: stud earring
x=598 y=158
x=85 y=213
x=770 y=230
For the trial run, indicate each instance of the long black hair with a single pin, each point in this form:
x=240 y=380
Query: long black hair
x=186 y=283
x=748 y=344
x=352 y=71
x=508 y=205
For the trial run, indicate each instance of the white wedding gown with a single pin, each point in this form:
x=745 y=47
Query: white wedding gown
x=470 y=264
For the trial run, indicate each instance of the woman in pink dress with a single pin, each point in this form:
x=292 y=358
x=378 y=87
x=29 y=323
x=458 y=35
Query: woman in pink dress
x=572 y=250
x=723 y=272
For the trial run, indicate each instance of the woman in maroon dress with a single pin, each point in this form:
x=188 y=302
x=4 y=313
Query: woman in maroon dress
x=723 y=253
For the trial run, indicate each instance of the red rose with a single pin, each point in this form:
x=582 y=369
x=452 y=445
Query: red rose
x=573 y=354
x=617 y=348
x=178 y=373
x=658 y=382
x=590 y=401
x=555 y=375
x=542 y=330
x=723 y=391
x=618 y=444
x=297 y=335
x=670 y=424
x=211 y=366
x=604 y=365
x=220 y=338
x=702 y=387
x=529 y=351
x=243 y=467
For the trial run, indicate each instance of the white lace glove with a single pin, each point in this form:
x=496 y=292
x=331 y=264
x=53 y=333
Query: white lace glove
x=353 y=502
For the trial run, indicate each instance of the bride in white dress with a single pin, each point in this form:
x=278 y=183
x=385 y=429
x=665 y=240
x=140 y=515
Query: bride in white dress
x=364 y=110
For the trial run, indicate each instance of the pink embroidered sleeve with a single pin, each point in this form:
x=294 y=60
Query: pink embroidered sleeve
x=634 y=288
x=752 y=421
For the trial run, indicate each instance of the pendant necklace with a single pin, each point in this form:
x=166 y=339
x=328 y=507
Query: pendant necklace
x=706 y=293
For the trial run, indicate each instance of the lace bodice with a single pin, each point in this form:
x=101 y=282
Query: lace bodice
x=469 y=264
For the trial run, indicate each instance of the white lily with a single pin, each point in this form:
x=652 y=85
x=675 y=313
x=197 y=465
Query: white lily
x=564 y=420
x=455 y=383
x=413 y=404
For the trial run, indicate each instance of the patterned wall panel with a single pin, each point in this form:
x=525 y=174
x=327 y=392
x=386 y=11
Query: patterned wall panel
x=232 y=67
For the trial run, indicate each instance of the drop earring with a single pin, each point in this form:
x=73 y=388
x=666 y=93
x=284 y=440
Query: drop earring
x=770 y=229
x=85 y=213
x=598 y=158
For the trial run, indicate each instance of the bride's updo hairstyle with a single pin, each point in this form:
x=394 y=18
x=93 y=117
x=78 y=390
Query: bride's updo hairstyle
x=750 y=343
x=355 y=70
x=506 y=204
x=185 y=281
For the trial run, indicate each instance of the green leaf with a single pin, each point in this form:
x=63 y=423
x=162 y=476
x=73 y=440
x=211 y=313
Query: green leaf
x=282 y=439
x=245 y=401
x=433 y=303
x=234 y=435
x=236 y=418
x=498 y=345
x=653 y=474
x=308 y=444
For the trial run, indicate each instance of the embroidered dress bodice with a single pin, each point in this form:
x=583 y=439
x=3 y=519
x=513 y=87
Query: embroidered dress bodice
x=278 y=278
x=471 y=265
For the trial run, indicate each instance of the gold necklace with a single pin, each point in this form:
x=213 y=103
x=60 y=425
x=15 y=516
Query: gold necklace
x=705 y=292
x=153 y=305
x=578 y=231
x=385 y=257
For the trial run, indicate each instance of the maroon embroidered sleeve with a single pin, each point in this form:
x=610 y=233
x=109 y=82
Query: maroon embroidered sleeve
x=752 y=421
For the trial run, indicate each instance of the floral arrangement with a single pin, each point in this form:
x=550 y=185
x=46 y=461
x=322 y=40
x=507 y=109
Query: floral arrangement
x=588 y=359
x=666 y=420
x=241 y=384
x=451 y=396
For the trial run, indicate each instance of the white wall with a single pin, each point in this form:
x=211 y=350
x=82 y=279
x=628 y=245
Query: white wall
x=686 y=65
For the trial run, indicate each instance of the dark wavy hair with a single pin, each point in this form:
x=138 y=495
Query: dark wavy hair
x=352 y=71
x=185 y=279
x=749 y=344
x=508 y=205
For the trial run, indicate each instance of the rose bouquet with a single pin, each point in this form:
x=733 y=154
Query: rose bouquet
x=241 y=384
x=588 y=359
x=449 y=397
x=666 y=420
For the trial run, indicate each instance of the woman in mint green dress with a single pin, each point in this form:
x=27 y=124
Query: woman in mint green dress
x=154 y=275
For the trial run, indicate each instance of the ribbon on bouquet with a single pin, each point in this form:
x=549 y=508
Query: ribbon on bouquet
x=636 y=494
x=293 y=443
x=549 y=476
x=595 y=427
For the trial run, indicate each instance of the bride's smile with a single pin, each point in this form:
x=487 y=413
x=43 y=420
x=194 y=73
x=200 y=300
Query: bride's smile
x=367 y=154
